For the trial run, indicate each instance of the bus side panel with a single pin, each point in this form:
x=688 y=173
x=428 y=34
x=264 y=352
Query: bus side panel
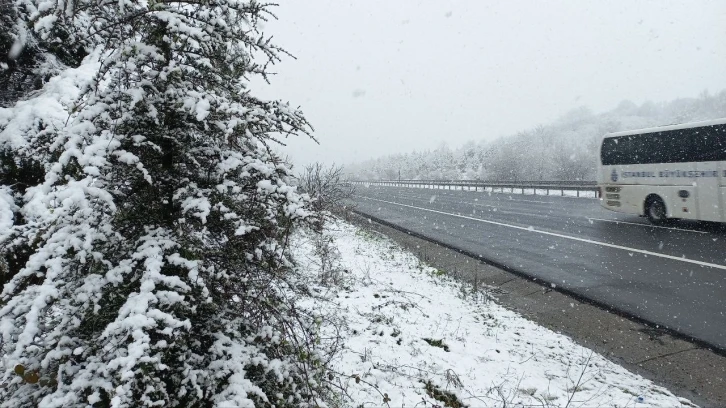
x=638 y=181
x=681 y=207
x=710 y=205
x=634 y=197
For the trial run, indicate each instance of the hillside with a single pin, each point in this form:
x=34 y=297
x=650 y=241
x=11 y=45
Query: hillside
x=562 y=150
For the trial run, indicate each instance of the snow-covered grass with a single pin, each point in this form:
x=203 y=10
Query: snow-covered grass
x=412 y=334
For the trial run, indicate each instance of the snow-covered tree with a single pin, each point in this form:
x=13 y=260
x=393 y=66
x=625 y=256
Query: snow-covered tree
x=156 y=217
x=27 y=59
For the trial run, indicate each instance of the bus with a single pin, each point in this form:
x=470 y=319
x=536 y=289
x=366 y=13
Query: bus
x=668 y=172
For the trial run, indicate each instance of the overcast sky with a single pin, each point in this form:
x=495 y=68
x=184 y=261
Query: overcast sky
x=385 y=76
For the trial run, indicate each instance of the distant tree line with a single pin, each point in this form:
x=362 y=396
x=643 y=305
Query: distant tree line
x=563 y=150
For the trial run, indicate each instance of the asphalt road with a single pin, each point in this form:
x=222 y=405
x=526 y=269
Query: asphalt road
x=674 y=275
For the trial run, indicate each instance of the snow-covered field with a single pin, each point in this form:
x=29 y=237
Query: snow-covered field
x=411 y=333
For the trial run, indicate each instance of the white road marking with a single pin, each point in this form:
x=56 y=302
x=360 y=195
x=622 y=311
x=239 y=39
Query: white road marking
x=554 y=234
x=648 y=225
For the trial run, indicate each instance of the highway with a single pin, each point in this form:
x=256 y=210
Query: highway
x=672 y=275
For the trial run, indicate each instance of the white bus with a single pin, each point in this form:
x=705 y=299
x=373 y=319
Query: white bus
x=666 y=172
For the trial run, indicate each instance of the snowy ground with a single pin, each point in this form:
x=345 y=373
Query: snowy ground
x=411 y=333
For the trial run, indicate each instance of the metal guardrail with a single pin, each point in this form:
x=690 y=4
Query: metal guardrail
x=477 y=185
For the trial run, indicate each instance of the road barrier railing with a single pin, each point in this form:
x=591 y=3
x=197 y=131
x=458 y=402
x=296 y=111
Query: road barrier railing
x=577 y=188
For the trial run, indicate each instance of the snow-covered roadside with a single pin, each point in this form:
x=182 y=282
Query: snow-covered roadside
x=411 y=332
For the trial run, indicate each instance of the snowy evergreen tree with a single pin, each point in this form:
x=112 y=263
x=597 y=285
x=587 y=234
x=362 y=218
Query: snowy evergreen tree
x=27 y=60
x=154 y=215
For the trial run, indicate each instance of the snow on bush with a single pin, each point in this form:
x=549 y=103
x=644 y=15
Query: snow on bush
x=143 y=217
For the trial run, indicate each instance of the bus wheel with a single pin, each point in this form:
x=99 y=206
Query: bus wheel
x=655 y=210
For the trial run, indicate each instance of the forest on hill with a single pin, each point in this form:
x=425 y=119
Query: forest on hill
x=562 y=150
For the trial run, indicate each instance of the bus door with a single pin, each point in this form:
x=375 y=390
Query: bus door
x=708 y=194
